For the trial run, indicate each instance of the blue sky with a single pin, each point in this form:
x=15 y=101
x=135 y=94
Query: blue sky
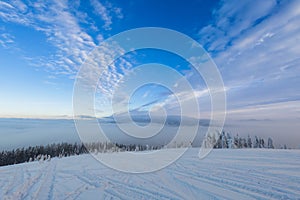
x=253 y=43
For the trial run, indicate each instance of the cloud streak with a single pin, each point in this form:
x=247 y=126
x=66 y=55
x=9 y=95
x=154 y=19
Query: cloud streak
x=6 y=40
x=255 y=46
x=61 y=27
x=106 y=13
x=68 y=30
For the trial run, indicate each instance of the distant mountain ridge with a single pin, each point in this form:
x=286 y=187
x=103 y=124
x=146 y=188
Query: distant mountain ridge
x=171 y=120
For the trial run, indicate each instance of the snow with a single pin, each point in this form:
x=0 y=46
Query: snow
x=223 y=174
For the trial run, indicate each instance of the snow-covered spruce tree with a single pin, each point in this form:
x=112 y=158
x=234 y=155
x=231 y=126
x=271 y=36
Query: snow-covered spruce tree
x=249 y=142
x=236 y=141
x=256 y=143
x=218 y=144
x=240 y=143
x=270 y=143
x=244 y=143
x=261 y=143
x=222 y=141
x=229 y=141
x=210 y=140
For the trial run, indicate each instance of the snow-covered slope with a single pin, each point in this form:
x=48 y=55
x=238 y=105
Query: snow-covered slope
x=224 y=174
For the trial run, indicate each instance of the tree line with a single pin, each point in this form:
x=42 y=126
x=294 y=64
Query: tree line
x=41 y=153
x=224 y=140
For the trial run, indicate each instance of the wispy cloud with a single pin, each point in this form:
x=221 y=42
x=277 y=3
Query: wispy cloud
x=255 y=46
x=61 y=27
x=6 y=40
x=105 y=12
x=73 y=34
x=65 y=28
x=274 y=111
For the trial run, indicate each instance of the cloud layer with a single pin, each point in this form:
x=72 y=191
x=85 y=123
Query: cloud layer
x=255 y=46
x=70 y=31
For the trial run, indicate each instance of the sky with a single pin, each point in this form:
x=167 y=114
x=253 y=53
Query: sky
x=254 y=44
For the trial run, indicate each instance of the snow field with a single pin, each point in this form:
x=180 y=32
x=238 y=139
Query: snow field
x=223 y=174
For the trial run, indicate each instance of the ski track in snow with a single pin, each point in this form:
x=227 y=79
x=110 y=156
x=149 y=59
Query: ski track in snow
x=224 y=174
